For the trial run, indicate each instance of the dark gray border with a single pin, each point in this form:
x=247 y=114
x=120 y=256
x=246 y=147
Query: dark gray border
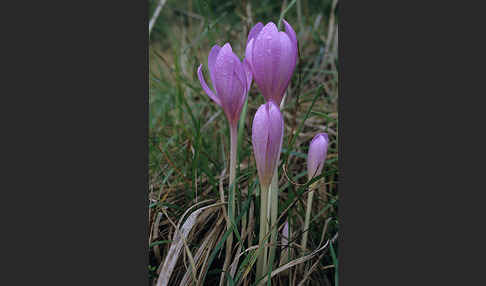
x=81 y=206
x=408 y=210
x=341 y=146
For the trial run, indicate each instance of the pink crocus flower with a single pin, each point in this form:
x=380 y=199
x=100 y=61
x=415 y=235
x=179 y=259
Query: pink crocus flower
x=272 y=56
x=267 y=138
x=316 y=155
x=231 y=81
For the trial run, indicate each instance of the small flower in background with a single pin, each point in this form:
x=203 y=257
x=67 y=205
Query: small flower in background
x=231 y=81
x=267 y=138
x=284 y=256
x=285 y=235
x=272 y=56
x=316 y=155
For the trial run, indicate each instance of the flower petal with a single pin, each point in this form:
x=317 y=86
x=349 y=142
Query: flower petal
x=264 y=58
x=249 y=76
x=213 y=54
x=238 y=93
x=293 y=39
x=275 y=135
x=291 y=33
x=286 y=66
x=254 y=31
x=223 y=72
x=249 y=53
x=259 y=136
x=205 y=87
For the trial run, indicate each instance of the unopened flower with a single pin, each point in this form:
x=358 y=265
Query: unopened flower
x=317 y=155
x=267 y=137
x=272 y=56
x=231 y=81
x=285 y=235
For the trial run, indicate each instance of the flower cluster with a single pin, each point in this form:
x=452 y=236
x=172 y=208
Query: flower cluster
x=270 y=59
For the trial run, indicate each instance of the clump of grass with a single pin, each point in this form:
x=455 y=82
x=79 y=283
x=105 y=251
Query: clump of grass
x=189 y=146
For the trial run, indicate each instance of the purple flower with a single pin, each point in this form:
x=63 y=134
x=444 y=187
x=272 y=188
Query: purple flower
x=285 y=235
x=317 y=155
x=267 y=137
x=231 y=81
x=272 y=56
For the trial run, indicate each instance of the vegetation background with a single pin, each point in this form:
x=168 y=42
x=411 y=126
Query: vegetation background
x=189 y=141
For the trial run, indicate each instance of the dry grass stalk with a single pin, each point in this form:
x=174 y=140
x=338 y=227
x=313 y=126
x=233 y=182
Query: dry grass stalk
x=156 y=14
x=156 y=236
x=181 y=236
x=202 y=253
x=298 y=260
x=177 y=243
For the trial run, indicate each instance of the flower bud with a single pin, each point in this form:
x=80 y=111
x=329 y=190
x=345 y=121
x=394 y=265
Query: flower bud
x=231 y=81
x=285 y=235
x=317 y=155
x=267 y=137
x=272 y=56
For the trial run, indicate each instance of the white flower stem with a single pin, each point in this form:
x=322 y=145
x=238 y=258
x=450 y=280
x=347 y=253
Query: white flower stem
x=273 y=217
x=310 y=197
x=231 y=197
x=261 y=261
x=241 y=128
x=233 y=151
x=268 y=218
